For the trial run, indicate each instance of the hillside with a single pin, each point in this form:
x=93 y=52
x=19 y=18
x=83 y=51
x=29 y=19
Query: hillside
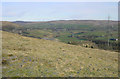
x=92 y=22
x=31 y=57
x=75 y=31
x=9 y=26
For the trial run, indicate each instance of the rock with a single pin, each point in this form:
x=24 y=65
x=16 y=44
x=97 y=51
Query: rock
x=90 y=57
x=10 y=54
x=21 y=65
x=78 y=72
x=4 y=61
x=116 y=59
x=91 y=46
x=63 y=49
x=13 y=58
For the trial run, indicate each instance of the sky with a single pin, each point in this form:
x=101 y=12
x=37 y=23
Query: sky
x=60 y=0
x=47 y=11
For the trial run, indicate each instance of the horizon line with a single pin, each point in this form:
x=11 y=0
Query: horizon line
x=57 y=20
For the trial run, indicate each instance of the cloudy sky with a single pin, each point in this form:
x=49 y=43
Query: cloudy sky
x=46 y=11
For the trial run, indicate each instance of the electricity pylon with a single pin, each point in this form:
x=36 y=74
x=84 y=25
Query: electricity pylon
x=108 y=30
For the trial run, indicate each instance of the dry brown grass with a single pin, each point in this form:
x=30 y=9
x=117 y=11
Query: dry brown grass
x=30 y=57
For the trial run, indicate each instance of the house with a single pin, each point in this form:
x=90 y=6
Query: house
x=113 y=39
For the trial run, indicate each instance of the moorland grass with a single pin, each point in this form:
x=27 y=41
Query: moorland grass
x=31 y=57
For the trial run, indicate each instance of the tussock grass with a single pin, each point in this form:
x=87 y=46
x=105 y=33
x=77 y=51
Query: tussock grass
x=30 y=57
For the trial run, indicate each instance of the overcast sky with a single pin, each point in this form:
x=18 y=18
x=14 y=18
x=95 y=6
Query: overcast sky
x=46 y=11
x=60 y=0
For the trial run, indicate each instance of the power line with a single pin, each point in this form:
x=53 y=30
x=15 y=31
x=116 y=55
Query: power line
x=108 y=30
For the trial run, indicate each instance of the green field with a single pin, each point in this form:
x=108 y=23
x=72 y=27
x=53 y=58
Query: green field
x=97 y=32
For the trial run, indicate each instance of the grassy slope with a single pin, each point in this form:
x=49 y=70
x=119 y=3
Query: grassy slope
x=30 y=57
x=8 y=26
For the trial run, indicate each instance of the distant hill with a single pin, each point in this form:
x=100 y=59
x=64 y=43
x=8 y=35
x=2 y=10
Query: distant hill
x=31 y=57
x=89 y=22
x=69 y=24
x=22 y=22
x=9 y=26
